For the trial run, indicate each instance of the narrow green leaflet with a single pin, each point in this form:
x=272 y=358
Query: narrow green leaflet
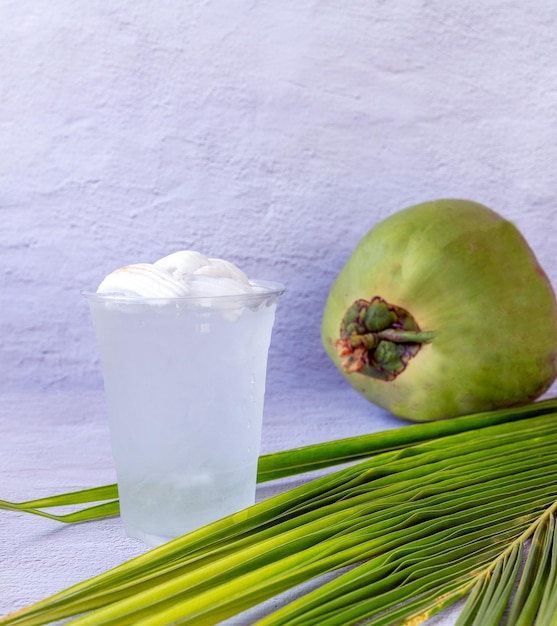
x=106 y=495
x=494 y=592
x=406 y=533
x=547 y=612
x=534 y=578
x=535 y=597
x=323 y=455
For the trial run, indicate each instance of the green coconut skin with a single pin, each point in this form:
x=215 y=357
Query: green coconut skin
x=468 y=276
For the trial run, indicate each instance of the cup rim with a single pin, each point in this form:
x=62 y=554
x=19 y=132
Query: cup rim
x=267 y=288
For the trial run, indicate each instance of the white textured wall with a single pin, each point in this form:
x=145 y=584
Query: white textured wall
x=271 y=133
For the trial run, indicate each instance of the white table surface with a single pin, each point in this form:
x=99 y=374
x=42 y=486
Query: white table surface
x=56 y=442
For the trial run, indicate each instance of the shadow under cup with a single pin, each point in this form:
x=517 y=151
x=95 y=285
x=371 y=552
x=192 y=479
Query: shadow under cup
x=184 y=381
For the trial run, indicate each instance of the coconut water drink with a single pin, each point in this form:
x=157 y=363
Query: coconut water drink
x=184 y=380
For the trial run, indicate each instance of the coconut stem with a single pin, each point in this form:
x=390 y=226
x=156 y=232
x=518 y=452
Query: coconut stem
x=378 y=339
x=370 y=340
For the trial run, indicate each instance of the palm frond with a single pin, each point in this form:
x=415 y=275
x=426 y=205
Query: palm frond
x=408 y=532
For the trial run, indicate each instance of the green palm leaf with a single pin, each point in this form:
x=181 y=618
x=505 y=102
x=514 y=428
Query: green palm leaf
x=408 y=532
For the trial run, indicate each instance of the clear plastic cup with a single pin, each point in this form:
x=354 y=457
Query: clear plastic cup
x=184 y=380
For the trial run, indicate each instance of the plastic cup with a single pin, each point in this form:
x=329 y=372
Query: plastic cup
x=184 y=382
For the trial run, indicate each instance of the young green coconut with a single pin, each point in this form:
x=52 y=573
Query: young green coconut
x=443 y=310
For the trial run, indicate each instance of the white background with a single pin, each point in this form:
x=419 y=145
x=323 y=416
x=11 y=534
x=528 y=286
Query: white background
x=271 y=133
